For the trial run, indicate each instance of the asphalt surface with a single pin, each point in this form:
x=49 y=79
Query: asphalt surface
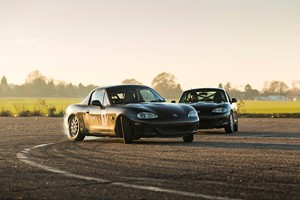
x=261 y=161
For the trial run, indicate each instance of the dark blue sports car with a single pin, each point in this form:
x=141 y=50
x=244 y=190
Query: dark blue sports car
x=214 y=106
x=130 y=112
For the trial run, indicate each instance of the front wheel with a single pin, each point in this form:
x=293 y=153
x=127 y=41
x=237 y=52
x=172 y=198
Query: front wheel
x=127 y=130
x=236 y=125
x=230 y=127
x=74 y=129
x=188 y=138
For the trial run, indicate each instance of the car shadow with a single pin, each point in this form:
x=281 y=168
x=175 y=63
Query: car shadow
x=201 y=144
x=228 y=145
x=213 y=144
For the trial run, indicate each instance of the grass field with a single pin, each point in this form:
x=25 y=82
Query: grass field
x=58 y=105
x=17 y=105
x=269 y=107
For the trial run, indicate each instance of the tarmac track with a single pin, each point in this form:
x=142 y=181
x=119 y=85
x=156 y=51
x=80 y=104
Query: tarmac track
x=261 y=161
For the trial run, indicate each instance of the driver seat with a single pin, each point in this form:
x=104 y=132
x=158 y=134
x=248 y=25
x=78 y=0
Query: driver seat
x=130 y=97
x=218 y=97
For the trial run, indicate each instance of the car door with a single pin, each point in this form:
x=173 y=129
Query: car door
x=110 y=116
x=97 y=115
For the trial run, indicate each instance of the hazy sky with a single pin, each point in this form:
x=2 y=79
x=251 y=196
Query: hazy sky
x=103 y=42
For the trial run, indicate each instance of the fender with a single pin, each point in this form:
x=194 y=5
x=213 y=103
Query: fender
x=83 y=123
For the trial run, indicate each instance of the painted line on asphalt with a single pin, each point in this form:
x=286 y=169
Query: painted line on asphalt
x=23 y=156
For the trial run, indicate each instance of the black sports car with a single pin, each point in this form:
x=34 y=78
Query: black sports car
x=130 y=112
x=214 y=106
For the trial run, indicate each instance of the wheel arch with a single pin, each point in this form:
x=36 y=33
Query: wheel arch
x=81 y=122
x=118 y=125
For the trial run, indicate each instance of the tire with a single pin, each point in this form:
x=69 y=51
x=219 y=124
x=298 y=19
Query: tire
x=230 y=127
x=188 y=138
x=126 y=130
x=74 y=129
x=236 y=125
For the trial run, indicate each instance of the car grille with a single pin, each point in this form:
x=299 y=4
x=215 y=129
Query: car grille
x=175 y=129
x=204 y=112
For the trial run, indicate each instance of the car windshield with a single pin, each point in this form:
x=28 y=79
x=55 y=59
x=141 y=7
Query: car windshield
x=134 y=95
x=203 y=96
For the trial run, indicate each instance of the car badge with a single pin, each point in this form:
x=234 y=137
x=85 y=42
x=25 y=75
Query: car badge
x=175 y=115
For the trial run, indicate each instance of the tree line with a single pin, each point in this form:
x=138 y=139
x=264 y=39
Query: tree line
x=39 y=86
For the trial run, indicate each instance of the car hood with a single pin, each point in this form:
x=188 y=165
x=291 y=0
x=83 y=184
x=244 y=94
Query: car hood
x=162 y=109
x=207 y=107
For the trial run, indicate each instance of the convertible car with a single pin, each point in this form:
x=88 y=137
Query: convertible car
x=214 y=106
x=130 y=112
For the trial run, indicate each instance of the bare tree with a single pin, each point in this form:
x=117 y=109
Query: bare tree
x=131 y=81
x=295 y=87
x=250 y=93
x=167 y=85
x=35 y=75
x=228 y=87
x=275 y=87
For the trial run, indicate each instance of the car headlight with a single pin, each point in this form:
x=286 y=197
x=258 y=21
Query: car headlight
x=193 y=113
x=146 y=115
x=219 y=110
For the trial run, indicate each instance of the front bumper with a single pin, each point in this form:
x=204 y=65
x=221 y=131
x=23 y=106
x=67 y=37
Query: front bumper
x=142 y=129
x=213 y=121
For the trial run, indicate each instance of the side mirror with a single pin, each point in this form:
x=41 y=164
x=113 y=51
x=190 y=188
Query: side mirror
x=97 y=103
x=233 y=100
x=173 y=101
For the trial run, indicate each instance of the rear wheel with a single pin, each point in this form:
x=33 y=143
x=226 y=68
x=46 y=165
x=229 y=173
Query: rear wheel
x=230 y=127
x=74 y=129
x=188 y=138
x=126 y=130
